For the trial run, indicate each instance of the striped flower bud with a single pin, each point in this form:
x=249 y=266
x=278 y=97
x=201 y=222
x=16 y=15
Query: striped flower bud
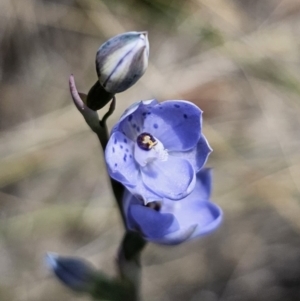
x=122 y=60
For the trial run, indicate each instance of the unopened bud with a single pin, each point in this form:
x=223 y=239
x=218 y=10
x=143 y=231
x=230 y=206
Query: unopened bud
x=75 y=273
x=122 y=60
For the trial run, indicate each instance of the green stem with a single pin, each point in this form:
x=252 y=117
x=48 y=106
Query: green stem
x=103 y=136
x=129 y=254
x=128 y=261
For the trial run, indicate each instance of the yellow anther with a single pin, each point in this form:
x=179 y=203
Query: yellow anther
x=147 y=141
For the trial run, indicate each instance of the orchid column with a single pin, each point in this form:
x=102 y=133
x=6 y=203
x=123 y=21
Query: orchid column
x=155 y=157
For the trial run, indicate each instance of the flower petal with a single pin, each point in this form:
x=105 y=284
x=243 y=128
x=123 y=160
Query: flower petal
x=131 y=109
x=176 y=123
x=196 y=156
x=210 y=217
x=206 y=215
x=136 y=199
x=132 y=121
x=150 y=223
x=143 y=193
x=203 y=184
x=176 y=237
x=201 y=191
x=173 y=179
x=193 y=215
x=119 y=159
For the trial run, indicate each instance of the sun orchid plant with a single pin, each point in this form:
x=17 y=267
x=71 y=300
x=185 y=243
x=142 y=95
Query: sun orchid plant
x=155 y=156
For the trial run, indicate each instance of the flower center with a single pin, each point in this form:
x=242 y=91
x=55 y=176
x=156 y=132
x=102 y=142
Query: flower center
x=148 y=149
x=146 y=141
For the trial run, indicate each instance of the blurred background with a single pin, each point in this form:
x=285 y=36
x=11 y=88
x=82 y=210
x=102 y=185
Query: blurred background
x=237 y=59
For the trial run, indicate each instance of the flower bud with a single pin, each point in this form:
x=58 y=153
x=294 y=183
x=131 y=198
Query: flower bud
x=78 y=275
x=75 y=273
x=122 y=60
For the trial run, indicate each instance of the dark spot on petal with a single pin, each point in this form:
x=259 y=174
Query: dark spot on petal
x=116 y=140
x=125 y=140
x=130 y=118
x=124 y=158
x=127 y=150
x=160 y=107
x=185 y=116
x=121 y=146
x=134 y=125
x=113 y=149
x=130 y=156
x=144 y=114
x=155 y=125
x=177 y=106
x=138 y=129
x=116 y=164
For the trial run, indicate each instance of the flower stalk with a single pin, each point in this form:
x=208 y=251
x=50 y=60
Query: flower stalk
x=128 y=258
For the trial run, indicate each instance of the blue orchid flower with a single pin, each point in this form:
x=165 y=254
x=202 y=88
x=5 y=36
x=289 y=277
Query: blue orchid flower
x=170 y=222
x=156 y=149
